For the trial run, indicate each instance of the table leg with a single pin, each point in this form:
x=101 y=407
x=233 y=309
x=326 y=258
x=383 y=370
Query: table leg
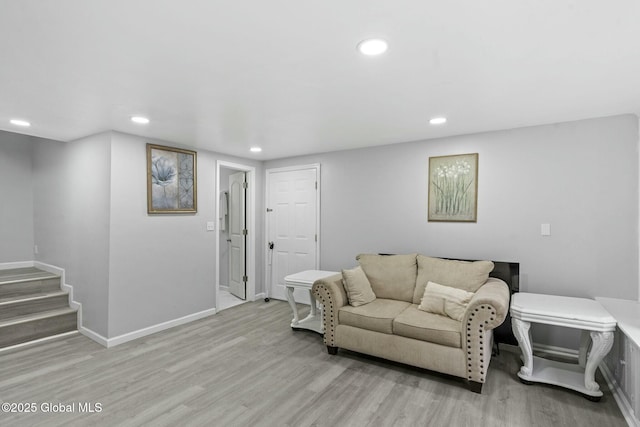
x=316 y=312
x=292 y=303
x=521 y=331
x=601 y=344
x=585 y=343
x=312 y=303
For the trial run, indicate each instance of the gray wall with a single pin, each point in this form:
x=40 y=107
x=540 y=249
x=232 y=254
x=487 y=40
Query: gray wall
x=89 y=215
x=162 y=267
x=72 y=196
x=51 y=205
x=130 y=270
x=581 y=177
x=16 y=198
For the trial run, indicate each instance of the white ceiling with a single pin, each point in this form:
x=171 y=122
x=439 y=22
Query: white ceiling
x=285 y=74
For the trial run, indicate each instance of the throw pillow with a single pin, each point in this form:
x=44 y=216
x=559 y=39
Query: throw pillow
x=445 y=300
x=358 y=288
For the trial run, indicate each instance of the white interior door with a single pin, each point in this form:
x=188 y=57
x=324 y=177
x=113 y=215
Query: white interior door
x=237 y=234
x=292 y=224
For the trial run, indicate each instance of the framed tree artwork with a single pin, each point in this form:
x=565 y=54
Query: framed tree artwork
x=171 y=180
x=453 y=188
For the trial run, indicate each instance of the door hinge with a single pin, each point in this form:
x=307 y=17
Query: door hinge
x=316 y=238
x=245 y=185
x=316 y=185
x=245 y=232
x=245 y=279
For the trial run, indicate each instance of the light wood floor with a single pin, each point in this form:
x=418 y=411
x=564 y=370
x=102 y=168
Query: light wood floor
x=246 y=367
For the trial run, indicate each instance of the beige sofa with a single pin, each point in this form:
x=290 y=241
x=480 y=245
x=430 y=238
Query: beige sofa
x=392 y=327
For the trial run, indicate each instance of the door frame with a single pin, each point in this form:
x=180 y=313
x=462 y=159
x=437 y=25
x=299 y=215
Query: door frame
x=251 y=223
x=267 y=271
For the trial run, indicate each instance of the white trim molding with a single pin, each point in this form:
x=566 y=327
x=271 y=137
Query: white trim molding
x=251 y=209
x=267 y=267
x=570 y=354
x=94 y=336
x=565 y=353
x=120 y=339
x=19 y=264
x=65 y=287
x=638 y=194
x=130 y=336
x=618 y=395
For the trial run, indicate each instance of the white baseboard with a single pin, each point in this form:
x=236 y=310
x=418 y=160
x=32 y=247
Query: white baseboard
x=65 y=287
x=567 y=353
x=94 y=336
x=18 y=264
x=111 y=342
x=50 y=268
x=224 y=288
x=130 y=336
x=618 y=395
x=623 y=403
x=261 y=295
x=121 y=339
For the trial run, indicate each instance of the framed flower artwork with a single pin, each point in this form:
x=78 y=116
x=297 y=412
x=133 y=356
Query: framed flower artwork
x=171 y=180
x=453 y=188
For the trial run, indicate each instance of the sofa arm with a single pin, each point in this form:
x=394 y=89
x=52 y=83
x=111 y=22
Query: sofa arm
x=331 y=294
x=487 y=310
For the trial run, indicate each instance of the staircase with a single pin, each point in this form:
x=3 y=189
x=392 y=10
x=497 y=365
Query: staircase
x=32 y=306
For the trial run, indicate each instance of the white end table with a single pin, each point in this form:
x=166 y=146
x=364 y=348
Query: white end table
x=305 y=280
x=578 y=313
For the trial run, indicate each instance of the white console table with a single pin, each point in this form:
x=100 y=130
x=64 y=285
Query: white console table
x=305 y=280
x=578 y=313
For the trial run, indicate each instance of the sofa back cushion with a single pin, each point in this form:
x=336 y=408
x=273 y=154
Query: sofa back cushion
x=465 y=275
x=391 y=276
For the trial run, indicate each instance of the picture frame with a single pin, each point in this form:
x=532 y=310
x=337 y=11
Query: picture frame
x=171 y=180
x=453 y=188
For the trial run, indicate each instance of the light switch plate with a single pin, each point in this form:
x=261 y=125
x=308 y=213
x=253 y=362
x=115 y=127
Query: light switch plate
x=211 y=225
x=545 y=229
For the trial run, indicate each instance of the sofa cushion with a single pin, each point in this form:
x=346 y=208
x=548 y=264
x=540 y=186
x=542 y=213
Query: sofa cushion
x=445 y=300
x=357 y=286
x=465 y=275
x=376 y=316
x=420 y=325
x=391 y=276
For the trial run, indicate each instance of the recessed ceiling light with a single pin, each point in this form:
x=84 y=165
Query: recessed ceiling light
x=140 y=120
x=372 y=47
x=438 y=120
x=19 y=122
x=255 y=149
